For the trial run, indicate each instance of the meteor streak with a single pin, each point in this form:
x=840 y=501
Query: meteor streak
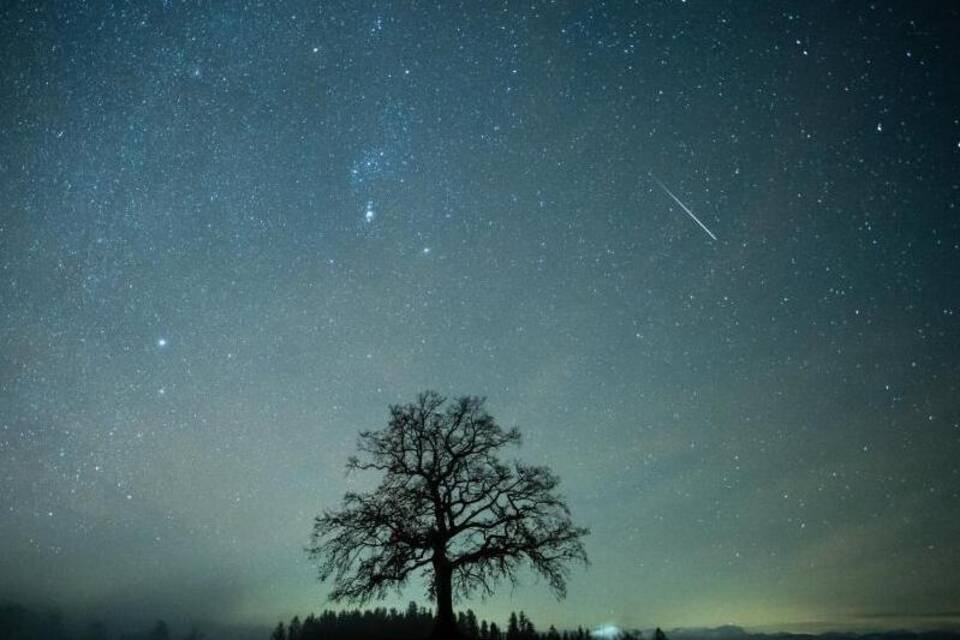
x=684 y=207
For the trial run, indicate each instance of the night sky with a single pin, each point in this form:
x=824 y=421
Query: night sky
x=231 y=234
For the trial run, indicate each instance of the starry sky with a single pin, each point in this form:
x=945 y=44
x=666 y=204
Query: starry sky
x=231 y=234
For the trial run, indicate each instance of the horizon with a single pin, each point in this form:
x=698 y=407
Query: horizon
x=946 y=622
x=703 y=255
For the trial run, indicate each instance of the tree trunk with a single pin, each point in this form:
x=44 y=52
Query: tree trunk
x=446 y=625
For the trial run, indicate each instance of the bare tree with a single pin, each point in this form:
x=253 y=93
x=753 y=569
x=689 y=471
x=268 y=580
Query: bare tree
x=447 y=508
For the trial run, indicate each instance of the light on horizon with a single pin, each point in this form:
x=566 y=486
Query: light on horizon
x=607 y=632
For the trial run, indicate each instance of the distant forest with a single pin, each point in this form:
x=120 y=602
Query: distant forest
x=417 y=622
x=19 y=623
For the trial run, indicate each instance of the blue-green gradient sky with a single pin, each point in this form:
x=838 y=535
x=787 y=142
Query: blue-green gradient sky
x=232 y=233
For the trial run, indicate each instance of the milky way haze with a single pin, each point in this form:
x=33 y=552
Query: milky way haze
x=231 y=234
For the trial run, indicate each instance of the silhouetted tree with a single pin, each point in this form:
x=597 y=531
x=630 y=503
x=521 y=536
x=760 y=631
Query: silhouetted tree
x=513 y=627
x=472 y=630
x=495 y=633
x=293 y=631
x=446 y=507
x=659 y=634
x=527 y=630
x=279 y=633
x=411 y=612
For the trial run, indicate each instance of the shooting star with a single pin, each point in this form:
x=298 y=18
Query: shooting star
x=684 y=207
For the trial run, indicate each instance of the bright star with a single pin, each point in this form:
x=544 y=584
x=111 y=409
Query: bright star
x=162 y=342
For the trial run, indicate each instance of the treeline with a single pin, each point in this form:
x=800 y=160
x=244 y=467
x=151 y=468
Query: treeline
x=417 y=622
x=19 y=623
